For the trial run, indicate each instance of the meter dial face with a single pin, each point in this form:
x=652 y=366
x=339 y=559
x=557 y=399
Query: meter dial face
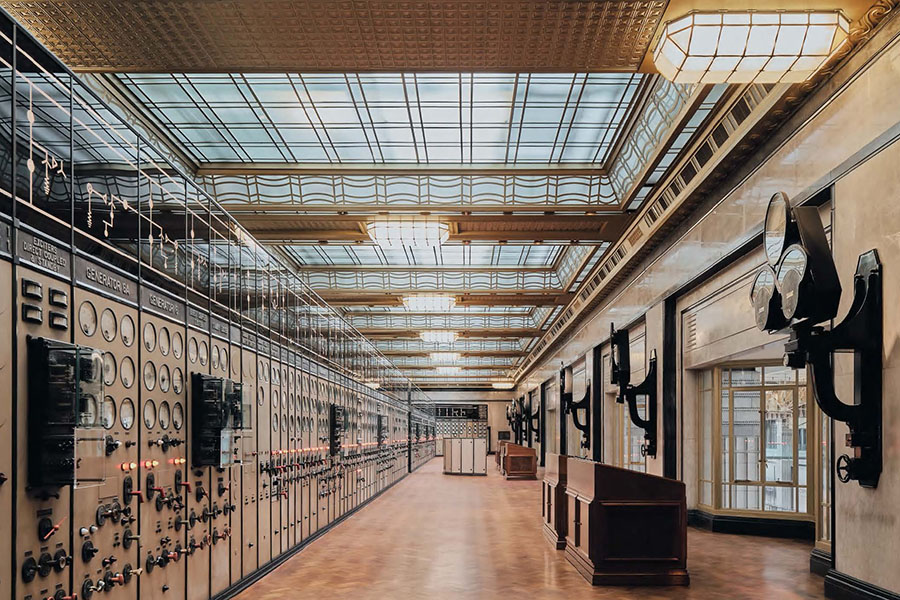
x=126 y=413
x=165 y=341
x=177 y=345
x=165 y=380
x=149 y=376
x=149 y=414
x=261 y=397
x=87 y=318
x=193 y=350
x=215 y=357
x=203 y=353
x=108 y=324
x=127 y=330
x=777 y=216
x=149 y=337
x=223 y=359
x=87 y=411
x=164 y=415
x=275 y=399
x=108 y=413
x=177 y=416
x=109 y=368
x=177 y=380
x=274 y=421
x=127 y=372
x=791 y=271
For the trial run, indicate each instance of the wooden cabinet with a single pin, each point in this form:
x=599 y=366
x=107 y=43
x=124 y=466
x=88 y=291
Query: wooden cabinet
x=624 y=527
x=554 y=506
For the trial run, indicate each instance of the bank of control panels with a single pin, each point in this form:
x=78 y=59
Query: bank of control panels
x=164 y=436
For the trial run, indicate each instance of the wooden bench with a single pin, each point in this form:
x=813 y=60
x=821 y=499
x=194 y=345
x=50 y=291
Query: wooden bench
x=554 y=508
x=519 y=462
x=624 y=527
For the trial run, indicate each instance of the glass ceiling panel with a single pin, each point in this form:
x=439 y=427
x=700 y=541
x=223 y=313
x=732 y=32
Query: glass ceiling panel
x=524 y=255
x=353 y=118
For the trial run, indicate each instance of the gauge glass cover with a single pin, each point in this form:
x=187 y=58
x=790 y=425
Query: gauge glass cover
x=127 y=330
x=149 y=414
x=108 y=413
x=127 y=372
x=164 y=415
x=108 y=324
x=149 y=337
x=177 y=416
x=126 y=413
x=149 y=376
x=87 y=318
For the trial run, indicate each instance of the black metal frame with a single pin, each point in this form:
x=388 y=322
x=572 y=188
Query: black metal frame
x=620 y=374
x=570 y=407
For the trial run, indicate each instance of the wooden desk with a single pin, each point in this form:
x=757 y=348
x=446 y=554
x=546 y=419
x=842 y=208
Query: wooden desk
x=518 y=461
x=554 y=508
x=625 y=528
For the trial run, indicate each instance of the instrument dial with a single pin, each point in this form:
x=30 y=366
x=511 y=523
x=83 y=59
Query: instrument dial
x=177 y=380
x=203 y=354
x=177 y=345
x=165 y=380
x=108 y=413
x=193 y=350
x=87 y=318
x=126 y=413
x=777 y=219
x=127 y=330
x=165 y=415
x=127 y=372
x=215 y=357
x=149 y=376
x=109 y=368
x=177 y=416
x=274 y=421
x=108 y=324
x=149 y=337
x=791 y=272
x=149 y=414
x=87 y=411
x=223 y=358
x=165 y=341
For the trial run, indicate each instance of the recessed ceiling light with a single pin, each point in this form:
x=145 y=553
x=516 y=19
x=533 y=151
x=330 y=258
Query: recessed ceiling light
x=429 y=303
x=439 y=336
x=414 y=232
x=748 y=46
x=507 y=385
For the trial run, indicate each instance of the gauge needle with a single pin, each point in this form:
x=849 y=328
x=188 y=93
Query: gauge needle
x=53 y=529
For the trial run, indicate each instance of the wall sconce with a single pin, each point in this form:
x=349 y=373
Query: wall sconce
x=620 y=374
x=571 y=407
x=534 y=423
x=804 y=295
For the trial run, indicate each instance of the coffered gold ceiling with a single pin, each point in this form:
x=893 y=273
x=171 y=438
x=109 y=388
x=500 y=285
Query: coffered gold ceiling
x=343 y=35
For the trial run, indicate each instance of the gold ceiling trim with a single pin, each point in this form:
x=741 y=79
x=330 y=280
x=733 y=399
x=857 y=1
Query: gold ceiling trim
x=344 y=35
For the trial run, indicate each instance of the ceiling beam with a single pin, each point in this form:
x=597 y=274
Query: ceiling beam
x=463 y=353
x=362 y=169
x=395 y=297
x=383 y=333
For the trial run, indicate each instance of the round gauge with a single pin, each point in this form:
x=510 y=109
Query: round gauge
x=235 y=370
x=261 y=397
x=108 y=324
x=177 y=380
x=126 y=373
x=274 y=398
x=791 y=271
x=127 y=330
x=108 y=413
x=292 y=425
x=165 y=341
x=149 y=337
x=126 y=413
x=777 y=219
x=203 y=354
x=109 y=368
x=223 y=358
x=149 y=376
x=215 y=357
x=275 y=375
x=164 y=415
x=192 y=350
x=274 y=421
x=177 y=345
x=177 y=416
x=149 y=414
x=87 y=411
x=284 y=425
x=265 y=373
x=165 y=380
x=87 y=318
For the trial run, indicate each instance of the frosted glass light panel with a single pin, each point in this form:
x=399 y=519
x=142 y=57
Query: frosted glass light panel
x=429 y=303
x=748 y=47
x=399 y=232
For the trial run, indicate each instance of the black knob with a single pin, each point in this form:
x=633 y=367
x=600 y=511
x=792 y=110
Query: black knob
x=88 y=551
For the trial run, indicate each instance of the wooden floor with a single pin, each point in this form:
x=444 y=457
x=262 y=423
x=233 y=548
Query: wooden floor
x=444 y=536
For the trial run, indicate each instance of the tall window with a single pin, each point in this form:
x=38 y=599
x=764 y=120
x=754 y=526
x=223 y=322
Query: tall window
x=760 y=424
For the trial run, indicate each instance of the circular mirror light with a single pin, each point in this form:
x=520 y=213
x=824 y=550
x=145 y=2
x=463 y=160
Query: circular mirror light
x=790 y=275
x=766 y=301
x=778 y=218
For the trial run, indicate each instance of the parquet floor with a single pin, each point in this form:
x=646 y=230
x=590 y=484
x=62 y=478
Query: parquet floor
x=442 y=536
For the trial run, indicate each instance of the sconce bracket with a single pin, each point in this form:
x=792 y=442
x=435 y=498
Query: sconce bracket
x=621 y=376
x=571 y=407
